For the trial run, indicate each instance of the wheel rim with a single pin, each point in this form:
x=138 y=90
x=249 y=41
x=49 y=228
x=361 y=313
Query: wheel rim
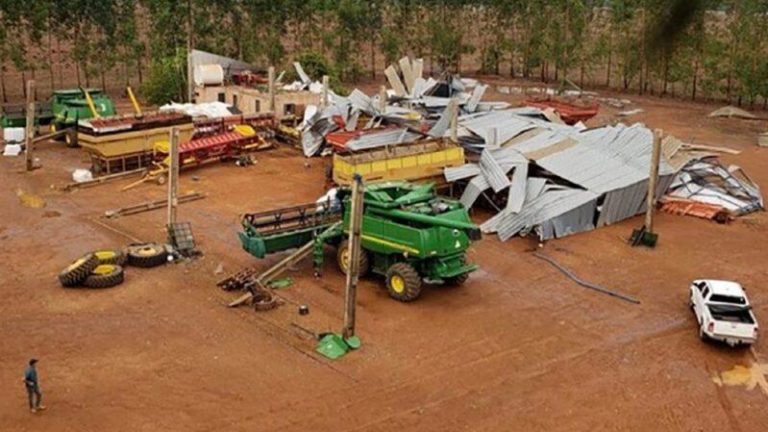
x=104 y=269
x=76 y=264
x=146 y=251
x=345 y=259
x=102 y=255
x=397 y=283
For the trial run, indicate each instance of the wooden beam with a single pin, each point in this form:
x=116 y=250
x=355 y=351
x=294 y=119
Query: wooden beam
x=29 y=147
x=173 y=177
x=652 y=179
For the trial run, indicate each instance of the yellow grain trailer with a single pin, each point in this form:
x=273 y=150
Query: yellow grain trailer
x=125 y=143
x=423 y=160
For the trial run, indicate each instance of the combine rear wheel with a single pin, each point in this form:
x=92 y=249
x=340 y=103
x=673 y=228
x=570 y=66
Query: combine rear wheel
x=76 y=272
x=110 y=256
x=403 y=282
x=342 y=259
x=105 y=276
x=147 y=255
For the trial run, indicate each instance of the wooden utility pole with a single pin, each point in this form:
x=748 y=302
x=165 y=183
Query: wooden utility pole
x=353 y=265
x=271 y=86
x=324 y=102
x=383 y=100
x=173 y=177
x=29 y=134
x=190 y=46
x=454 y=107
x=654 y=175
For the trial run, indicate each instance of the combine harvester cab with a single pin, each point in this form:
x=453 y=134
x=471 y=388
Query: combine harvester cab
x=408 y=235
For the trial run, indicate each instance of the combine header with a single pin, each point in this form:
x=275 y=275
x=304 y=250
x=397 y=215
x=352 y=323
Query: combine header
x=408 y=234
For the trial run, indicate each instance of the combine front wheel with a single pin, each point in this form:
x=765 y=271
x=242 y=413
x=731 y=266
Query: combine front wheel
x=403 y=282
x=342 y=259
x=105 y=276
x=456 y=280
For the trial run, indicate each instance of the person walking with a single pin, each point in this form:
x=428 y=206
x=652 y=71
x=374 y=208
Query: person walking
x=33 y=387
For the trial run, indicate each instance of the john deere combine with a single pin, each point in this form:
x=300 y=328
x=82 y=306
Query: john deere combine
x=408 y=234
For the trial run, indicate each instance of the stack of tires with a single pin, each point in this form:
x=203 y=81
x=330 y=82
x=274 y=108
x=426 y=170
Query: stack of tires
x=104 y=268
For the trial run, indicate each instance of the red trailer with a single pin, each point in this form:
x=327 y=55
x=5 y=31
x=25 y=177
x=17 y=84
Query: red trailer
x=570 y=113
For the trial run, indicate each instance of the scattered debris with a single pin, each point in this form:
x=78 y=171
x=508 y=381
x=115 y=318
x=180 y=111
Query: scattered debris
x=589 y=285
x=30 y=200
x=334 y=346
x=180 y=237
x=13 y=135
x=732 y=111
x=219 y=269
x=692 y=208
x=280 y=283
x=630 y=112
x=12 y=150
x=151 y=205
x=82 y=176
x=762 y=139
x=707 y=181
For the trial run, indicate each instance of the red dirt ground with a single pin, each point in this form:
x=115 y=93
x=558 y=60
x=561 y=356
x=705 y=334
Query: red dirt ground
x=519 y=347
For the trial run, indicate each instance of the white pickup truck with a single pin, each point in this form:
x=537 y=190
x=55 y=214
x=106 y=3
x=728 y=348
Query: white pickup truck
x=723 y=312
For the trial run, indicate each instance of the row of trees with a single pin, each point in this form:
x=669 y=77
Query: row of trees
x=716 y=51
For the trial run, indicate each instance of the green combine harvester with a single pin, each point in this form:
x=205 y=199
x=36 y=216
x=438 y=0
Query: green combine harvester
x=409 y=234
x=66 y=107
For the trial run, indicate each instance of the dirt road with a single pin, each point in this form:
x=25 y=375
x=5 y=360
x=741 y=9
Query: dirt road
x=519 y=347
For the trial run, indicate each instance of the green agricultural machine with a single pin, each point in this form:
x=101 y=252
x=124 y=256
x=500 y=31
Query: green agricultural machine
x=409 y=234
x=71 y=105
x=63 y=111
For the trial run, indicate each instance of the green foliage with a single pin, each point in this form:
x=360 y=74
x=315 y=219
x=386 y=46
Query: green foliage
x=715 y=47
x=166 y=80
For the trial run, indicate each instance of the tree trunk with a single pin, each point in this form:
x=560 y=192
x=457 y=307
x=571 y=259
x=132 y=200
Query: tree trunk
x=58 y=60
x=50 y=54
x=608 y=68
x=373 y=56
x=24 y=84
x=2 y=81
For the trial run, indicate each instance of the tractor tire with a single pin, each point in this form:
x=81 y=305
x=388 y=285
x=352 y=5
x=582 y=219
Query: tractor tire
x=110 y=256
x=265 y=302
x=456 y=280
x=403 y=282
x=147 y=255
x=342 y=257
x=71 y=138
x=105 y=276
x=78 y=270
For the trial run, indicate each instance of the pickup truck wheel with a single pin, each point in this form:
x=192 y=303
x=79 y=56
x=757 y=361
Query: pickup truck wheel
x=703 y=336
x=403 y=282
x=342 y=259
x=456 y=280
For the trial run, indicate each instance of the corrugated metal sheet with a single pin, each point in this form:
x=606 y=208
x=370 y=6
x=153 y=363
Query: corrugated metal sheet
x=477 y=94
x=492 y=171
x=517 y=193
x=453 y=174
x=381 y=139
x=548 y=206
x=507 y=125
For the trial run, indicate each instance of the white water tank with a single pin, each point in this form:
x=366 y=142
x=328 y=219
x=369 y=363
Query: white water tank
x=209 y=75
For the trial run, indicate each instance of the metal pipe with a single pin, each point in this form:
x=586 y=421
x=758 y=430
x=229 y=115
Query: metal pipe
x=427 y=219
